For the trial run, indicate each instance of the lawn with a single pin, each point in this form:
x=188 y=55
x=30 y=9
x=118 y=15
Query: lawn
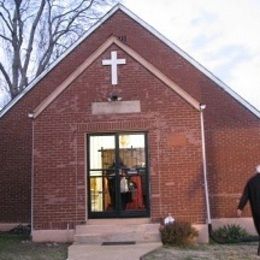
x=241 y=251
x=20 y=247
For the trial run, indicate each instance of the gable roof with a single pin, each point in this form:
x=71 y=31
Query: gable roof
x=113 y=40
x=155 y=33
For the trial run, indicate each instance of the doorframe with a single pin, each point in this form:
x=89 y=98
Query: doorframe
x=118 y=213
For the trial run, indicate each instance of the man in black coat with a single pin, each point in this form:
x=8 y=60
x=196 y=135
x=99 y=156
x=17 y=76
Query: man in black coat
x=252 y=193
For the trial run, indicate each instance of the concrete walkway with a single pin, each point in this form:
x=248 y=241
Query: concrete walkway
x=110 y=252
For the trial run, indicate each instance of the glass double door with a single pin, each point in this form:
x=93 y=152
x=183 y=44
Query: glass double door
x=117 y=175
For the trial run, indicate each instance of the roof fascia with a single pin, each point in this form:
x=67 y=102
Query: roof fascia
x=113 y=40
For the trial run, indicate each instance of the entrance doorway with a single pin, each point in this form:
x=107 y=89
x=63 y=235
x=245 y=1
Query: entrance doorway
x=117 y=175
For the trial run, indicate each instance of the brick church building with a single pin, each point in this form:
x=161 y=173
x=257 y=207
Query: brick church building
x=125 y=125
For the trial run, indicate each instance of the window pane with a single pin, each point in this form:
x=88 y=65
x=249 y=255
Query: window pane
x=132 y=150
x=132 y=153
x=97 y=145
x=96 y=194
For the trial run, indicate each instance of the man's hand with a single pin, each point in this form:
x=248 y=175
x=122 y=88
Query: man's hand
x=239 y=212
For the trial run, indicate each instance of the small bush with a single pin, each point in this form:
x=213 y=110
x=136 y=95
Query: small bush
x=178 y=234
x=21 y=230
x=230 y=234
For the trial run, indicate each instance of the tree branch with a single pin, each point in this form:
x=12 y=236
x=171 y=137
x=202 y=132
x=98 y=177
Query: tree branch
x=72 y=19
x=74 y=10
x=20 y=27
x=6 y=22
x=7 y=78
x=46 y=56
x=55 y=35
x=9 y=21
x=31 y=37
x=16 y=63
x=5 y=38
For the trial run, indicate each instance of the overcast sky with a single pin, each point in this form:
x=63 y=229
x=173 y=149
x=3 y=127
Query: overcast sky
x=222 y=35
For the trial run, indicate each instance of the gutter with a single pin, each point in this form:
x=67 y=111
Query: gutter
x=30 y=115
x=204 y=162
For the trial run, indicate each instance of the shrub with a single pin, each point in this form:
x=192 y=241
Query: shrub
x=178 y=234
x=230 y=234
x=21 y=230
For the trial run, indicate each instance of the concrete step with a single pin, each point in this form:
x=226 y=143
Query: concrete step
x=99 y=229
x=98 y=234
x=118 y=221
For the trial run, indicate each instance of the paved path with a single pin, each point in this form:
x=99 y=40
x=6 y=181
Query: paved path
x=112 y=252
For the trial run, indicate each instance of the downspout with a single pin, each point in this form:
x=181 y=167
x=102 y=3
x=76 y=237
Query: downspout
x=204 y=161
x=31 y=116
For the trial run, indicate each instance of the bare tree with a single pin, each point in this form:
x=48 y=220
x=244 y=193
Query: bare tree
x=33 y=33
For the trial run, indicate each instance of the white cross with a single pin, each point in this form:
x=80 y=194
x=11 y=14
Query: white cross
x=113 y=62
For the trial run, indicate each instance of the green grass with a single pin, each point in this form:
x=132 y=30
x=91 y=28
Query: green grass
x=20 y=247
x=241 y=251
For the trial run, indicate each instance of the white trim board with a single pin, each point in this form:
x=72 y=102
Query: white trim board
x=155 y=33
x=113 y=40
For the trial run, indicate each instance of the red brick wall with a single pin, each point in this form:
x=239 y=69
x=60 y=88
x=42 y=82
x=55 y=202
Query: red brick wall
x=230 y=160
x=15 y=166
x=232 y=156
x=60 y=131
